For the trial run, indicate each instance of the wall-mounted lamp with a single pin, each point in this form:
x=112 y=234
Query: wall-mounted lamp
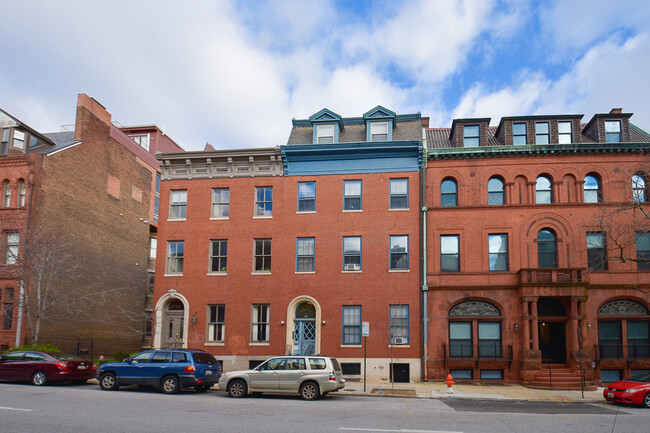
x=516 y=326
x=194 y=319
x=323 y=322
x=282 y=322
x=588 y=325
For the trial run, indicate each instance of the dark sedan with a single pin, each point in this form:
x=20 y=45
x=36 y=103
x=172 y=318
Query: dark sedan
x=41 y=368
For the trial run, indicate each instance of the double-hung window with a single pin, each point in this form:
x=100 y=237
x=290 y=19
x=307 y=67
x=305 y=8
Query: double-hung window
x=351 y=195
x=399 y=324
x=643 y=251
x=7 y=308
x=612 y=131
x=177 y=204
x=264 y=201
x=496 y=195
x=543 y=190
x=542 y=133
x=352 y=253
x=596 y=251
x=175 y=253
x=324 y=134
x=12 y=242
x=449 y=253
x=489 y=339
x=498 y=246
x=399 y=255
x=4 y=141
x=448 y=193
x=305 y=255
x=260 y=323
x=564 y=134
x=306 y=196
x=399 y=193
x=19 y=139
x=519 y=134
x=378 y=131
x=639 y=188
x=471 y=136
x=220 y=203
x=218 y=255
x=460 y=339
x=351 y=325
x=263 y=255
x=6 y=194
x=22 y=193
x=216 y=323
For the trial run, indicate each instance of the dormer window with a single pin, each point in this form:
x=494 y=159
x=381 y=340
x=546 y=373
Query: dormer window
x=324 y=134
x=564 y=135
x=378 y=131
x=4 y=144
x=142 y=140
x=612 y=131
x=19 y=139
x=542 y=134
x=471 y=136
x=519 y=134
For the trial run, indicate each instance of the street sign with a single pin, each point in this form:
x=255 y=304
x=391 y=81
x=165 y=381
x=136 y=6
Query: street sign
x=365 y=329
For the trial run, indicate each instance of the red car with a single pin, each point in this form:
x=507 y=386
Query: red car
x=634 y=390
x=41 y=368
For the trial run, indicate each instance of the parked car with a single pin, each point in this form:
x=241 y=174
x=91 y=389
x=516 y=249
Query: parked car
x=41 y=368
x=169 y=369
x=309 y=376
x=633 y=390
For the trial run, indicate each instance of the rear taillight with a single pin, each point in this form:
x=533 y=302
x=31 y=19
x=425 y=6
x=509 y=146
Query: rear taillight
x=190 y=369
x=63 y=366
x=332 y=375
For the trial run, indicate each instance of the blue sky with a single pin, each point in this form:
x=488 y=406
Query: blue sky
x=234 y=73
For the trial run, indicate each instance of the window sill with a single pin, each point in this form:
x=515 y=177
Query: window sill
x=399 y=346
x=352 y=272
x=305 y=212
x=351 y=346
x=261 y=273
x=262 y=217
x=399 y=270
x=264 y=343
x=219 y=218
x=214 y=343
x=173 y=275
x=177 y=219
x=305 y=272
x=217 y=274
x=399 y=210
x=352 y=210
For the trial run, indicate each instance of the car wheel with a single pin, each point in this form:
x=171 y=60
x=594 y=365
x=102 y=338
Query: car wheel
x=108 y=382
x=309 y=391
x=39 y=378
x=237 y=389
x=202 y=388
x=170 y=385
x=646 y=400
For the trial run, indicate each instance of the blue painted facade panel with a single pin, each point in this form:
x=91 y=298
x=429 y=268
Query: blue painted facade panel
x=345 y=166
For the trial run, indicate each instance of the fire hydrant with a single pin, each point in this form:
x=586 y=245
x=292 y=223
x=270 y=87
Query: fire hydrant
x=450 y=382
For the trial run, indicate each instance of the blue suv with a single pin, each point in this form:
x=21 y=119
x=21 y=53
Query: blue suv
x=170 y=369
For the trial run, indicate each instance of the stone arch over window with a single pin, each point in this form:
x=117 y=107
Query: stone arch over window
x=475 y=330
x=474 y=308
x=496 y=191
x=593 y=188
x=171 y=304
x=622 y=307
x=449 y=192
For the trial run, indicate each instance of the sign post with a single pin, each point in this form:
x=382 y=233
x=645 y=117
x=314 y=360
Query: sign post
x=365 y=332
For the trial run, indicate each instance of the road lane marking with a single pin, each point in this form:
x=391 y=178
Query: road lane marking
x=381 y=430
x=16 y=408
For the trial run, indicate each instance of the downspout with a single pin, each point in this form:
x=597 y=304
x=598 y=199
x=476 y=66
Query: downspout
x=423 y=260
x=21 y=296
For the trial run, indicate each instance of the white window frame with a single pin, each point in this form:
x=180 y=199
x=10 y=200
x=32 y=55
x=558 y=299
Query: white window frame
x=12 y=242
x=378 y=130
x=220 y=209
x=178 y=204
x=175 y=258
x=563 y=135
x=143 y=140
x=216 y=323
x=325 y=133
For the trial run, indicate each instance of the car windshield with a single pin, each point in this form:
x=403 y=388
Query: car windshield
x=65 y=356
x=203 y=358
x=641 y=377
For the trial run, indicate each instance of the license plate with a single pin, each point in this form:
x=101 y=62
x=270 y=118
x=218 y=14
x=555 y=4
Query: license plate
x=208 y=372
x=610 y=395
x=82 y=367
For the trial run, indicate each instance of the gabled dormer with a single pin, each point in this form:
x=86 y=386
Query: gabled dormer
x=469 y=132
x=327 y=126
x=613 y=127
x=380 y=123
x=17 y=138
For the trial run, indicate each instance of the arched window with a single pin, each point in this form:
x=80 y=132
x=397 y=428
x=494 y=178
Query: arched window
x=475 y=316
x=495 y=191
x=22 y=192
x=543 y=191
x=546 y=249
x=623 y=317
x=6 y=194
x=448 y=193
x=639 y=188
x=593 y=192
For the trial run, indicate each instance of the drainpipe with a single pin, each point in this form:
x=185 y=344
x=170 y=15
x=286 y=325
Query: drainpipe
x=21 y=296
x=423 y=260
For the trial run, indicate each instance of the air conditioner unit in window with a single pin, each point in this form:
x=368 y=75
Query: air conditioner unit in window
x=399 y=340
x=352 y=267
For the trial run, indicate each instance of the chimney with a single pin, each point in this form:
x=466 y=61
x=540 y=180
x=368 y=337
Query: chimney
x=616 y=111
x=91 y=105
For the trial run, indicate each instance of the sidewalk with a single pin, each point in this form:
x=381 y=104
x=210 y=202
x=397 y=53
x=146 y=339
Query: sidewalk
x=469 y=391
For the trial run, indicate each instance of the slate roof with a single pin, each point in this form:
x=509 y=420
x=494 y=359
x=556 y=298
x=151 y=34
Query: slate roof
x=410 y=130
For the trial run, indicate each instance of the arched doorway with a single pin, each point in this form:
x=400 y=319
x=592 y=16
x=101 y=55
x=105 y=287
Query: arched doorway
x=552 y=330
x=173 y=324
x=304 y=331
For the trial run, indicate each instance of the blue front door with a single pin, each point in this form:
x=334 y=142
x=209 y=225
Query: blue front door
x=304 y=336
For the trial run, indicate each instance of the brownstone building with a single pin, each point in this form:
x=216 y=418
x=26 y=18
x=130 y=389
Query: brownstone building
x=537 y=250
x=89 y=197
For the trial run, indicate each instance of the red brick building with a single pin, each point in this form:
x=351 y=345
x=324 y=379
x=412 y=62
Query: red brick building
x=291 y=249
x=537 y=250
x=95 y=188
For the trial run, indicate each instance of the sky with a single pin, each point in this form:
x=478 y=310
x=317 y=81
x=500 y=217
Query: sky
x=234 y=73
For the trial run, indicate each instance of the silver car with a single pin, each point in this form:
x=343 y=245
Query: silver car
x=309 y=376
